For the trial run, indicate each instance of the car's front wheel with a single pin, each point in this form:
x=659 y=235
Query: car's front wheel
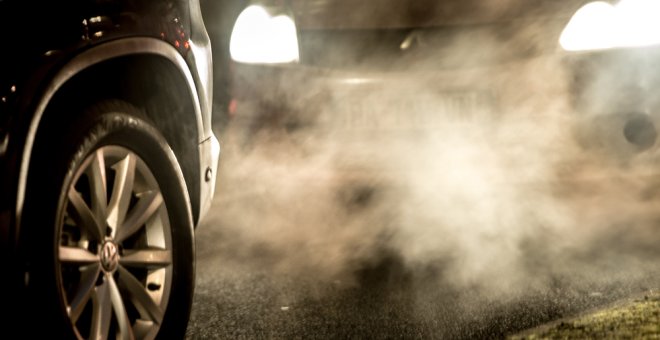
x=111 y=241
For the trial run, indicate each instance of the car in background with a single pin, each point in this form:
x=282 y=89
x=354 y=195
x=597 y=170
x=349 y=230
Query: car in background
x=365 y=73
x=107 y=163
x=384 y=66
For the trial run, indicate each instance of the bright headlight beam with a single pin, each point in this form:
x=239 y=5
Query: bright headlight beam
x=600 y=25
x=259 y=38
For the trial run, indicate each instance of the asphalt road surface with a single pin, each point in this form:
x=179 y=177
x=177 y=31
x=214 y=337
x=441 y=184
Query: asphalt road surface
x=272 y=264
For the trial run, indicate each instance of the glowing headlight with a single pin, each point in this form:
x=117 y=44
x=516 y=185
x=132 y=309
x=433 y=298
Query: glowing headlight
x=600 y=25
x=259 y=37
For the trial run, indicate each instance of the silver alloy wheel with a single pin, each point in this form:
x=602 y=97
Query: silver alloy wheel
x=115 y=248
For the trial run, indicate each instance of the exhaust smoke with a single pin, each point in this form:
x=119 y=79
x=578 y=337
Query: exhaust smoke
x=482 y=181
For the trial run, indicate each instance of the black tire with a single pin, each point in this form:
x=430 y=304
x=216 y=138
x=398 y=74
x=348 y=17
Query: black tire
x=132 y=252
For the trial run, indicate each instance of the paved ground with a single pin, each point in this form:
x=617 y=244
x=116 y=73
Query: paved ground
x=277 y=260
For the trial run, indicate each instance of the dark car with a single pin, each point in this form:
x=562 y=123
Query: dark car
x=107 y=163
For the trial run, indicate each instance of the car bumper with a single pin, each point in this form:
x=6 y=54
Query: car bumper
x=525 y=110
x=210 y=155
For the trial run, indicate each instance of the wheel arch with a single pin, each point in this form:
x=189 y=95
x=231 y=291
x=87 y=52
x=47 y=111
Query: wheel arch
x=164 y=88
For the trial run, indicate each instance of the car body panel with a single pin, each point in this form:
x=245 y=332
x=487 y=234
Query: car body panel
x=94 y=55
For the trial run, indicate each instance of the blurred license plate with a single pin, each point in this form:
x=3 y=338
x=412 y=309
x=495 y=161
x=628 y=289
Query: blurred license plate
x=413 y=111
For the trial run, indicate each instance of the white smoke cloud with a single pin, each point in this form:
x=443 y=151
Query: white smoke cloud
x=483 y=175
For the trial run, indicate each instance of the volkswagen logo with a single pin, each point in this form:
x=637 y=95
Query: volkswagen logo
x=109 y=256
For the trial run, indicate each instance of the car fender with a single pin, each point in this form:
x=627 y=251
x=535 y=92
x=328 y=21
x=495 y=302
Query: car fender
x=88 y=58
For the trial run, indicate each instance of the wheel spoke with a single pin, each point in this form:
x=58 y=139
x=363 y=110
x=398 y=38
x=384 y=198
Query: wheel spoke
x=121 y=191
x=77 y=255
x=146 y=258
x=145 y=329
x=145 y=208
x=83 y=216
x=141 y=299
x=87 y=283
x=125 y=330
x=98 y=185
x=102 y=311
